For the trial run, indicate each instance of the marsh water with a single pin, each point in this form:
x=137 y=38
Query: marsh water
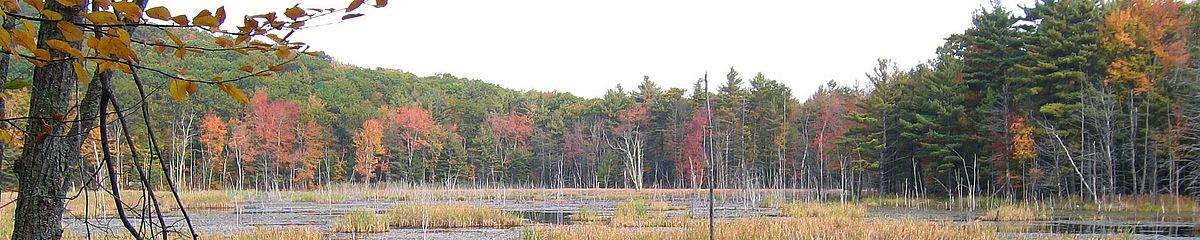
x=251 y=214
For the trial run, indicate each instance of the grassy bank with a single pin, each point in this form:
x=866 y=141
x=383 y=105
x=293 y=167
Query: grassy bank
x=776 y=228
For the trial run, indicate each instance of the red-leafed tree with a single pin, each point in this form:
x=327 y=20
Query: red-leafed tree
x=630 y=140
x=510 y=133
x=213 y=136
x=368 y=145
x=832 y=124
x=413 y=125
x=273 y=125
x=692 y=165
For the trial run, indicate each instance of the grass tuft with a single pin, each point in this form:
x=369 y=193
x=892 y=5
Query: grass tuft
x=1013 y=213
x=362 y=222
x=824 y=210
x=450 y=215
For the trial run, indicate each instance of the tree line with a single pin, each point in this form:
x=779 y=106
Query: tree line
x=1068 y=98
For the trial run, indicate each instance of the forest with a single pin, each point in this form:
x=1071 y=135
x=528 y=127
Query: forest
x=1061 y=98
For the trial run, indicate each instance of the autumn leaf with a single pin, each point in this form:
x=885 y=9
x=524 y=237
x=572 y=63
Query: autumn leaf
x=81 y=73
x=7 y=138
x=102 y=18
x=180 y=89
x=160 y=13
x=352 y=15
x=70 y=31
x=354 y=5
x=234 y=92
x=130 y=10
x=64 y=47
x=295 y=12
x=52 y=15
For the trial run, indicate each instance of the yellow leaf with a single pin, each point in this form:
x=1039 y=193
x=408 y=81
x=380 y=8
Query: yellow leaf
x=102 y=17
x=234 y=92
x=380 y=3
x=247 y=68
x=178 y=42
x=130 y=10
x=70 y=31
x=206 y=21
x=81 y=73
x=28 y=25
x=5 y=40
x=23 y=39
x=354 y=5
x=178 y=89
x=160 y=13
x=180 y=52
x=65 y=47
x=277 y=68
x=224 y=42
x=295 y=12
x=7 y=137
x=52 y=15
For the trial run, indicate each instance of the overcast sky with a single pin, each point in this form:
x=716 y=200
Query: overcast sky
x=587 y=47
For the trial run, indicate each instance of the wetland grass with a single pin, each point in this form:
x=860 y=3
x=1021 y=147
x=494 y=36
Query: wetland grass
x=450 y=215
x=362 y=222
x=820 y=210
x=1014 y=213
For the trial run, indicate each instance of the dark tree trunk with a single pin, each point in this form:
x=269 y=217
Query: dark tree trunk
x=41 y=168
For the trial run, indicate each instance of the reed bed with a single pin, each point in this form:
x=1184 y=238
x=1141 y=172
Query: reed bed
x=450 y=215
x=821 y=210
x=101 y=203
x=362 y=222
x=1013 y=213
x=253 y=234
x=776 y=228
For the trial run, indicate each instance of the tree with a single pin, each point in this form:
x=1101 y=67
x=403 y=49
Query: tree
x=368 y=145
x=631 y=141
x=214 y=135
x=694 y=155
x=413 y=125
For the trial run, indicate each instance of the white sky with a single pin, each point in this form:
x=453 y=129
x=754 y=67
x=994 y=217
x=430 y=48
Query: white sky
x=587 y=47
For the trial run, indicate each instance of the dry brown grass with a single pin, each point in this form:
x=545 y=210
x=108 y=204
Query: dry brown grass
x=254 y=234
x=450 y=215
x=100 y=203
x=1013 y=213
x=776 y=228
x=824 y=210
x=362 y=222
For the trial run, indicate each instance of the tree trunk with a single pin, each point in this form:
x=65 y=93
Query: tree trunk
x=40 y=171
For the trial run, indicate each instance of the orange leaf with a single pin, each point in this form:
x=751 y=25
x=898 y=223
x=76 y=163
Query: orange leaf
x=234 y=92
x=295 y=12
x=81 y=73
x=65 y=47
x=354 y=5
x=70 y=31
x=130 y=10
x=160 y=13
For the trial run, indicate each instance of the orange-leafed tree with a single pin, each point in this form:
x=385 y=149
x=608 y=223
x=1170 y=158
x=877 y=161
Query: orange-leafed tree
x=312 y=153
x=213 y=136
x=368 y=145
x=1148 y=39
